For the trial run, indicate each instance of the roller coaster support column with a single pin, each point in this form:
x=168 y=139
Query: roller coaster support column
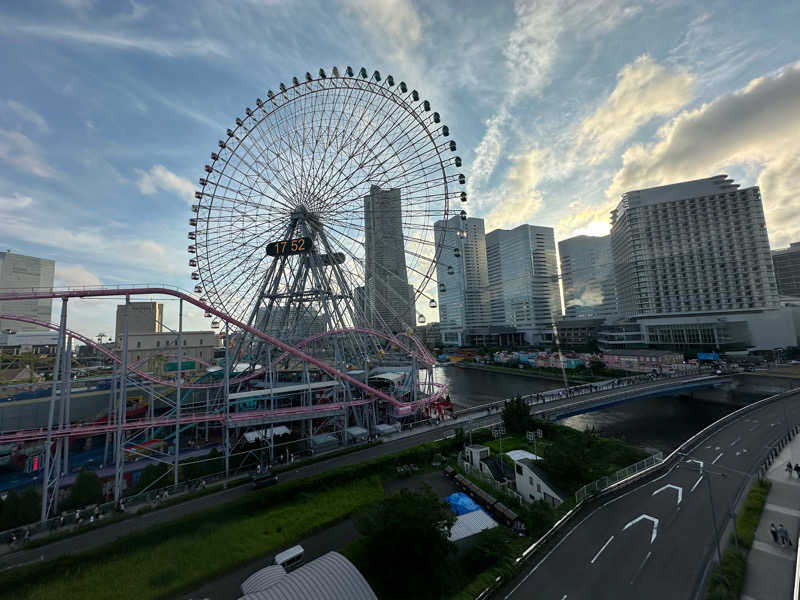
x=66 y=386
x=122 y=403
x=49 y=491
x=227 y=408
x=178 y=396
x=111 y=404
x=271 y=407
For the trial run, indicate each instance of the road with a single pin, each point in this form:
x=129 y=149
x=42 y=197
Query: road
x=654 y=541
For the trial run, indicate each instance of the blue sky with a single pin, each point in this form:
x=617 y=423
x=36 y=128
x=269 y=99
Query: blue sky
x=109 y=109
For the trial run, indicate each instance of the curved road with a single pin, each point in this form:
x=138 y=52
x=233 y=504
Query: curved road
x=655 y=540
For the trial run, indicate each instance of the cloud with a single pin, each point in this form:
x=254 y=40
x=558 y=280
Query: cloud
x=15 y=202
x=757 y=125
x=75 y=276
x=27 y=114
x=20 y=151
x=518 y=197
x=161 y=178
x=170 y=48
x=397 y=19
x=644 y=90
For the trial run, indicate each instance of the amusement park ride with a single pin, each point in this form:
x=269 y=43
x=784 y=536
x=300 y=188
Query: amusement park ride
x=311 y=245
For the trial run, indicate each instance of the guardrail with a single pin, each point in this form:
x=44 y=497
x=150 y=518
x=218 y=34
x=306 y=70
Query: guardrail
x=598 y=485
x=671 y=459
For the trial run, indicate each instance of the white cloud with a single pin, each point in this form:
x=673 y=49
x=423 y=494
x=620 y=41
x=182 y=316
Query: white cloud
x=15 y=202
x=518 y=197
x=20 y=151
x=27 y=114
x=644 y=90
x=161 y=178
x=397 y=19
x=757 y=125
x=170 y=48
x=75 y=276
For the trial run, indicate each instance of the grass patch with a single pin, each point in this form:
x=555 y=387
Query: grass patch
x=162 y=561
x=727 y=579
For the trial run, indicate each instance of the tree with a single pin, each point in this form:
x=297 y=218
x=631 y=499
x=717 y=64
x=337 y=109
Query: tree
x=20 y=508
x=516 y=415
x=86 y=490
x=406 y=546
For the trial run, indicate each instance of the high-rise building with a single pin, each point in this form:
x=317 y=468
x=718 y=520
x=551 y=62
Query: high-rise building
x=787 y=270
x=694 y=247
x=389 y=298
x=587 y=272
x=462 y=278
x=17 y=273
x=143 y=317
x=693 y=270
x=523 y=279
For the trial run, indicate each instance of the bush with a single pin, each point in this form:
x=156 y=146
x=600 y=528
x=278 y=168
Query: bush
x=87 y=489
x=488 y=550
x=20 y=508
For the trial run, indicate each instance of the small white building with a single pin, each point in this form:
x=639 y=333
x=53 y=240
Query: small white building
x=532 y=483
x=474 y=454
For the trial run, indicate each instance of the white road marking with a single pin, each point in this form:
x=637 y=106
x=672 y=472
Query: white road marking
x=713 y=462
x=564 y=597
x=744 y=450
x=738 y=453
x=599 y=552
x=782 y=509
x=696 y=483
x=699 y=462
x=736 y=441
x=716 y=447
x=641 y=566
x=674 y=487
x=649 y=518
x=773 y=550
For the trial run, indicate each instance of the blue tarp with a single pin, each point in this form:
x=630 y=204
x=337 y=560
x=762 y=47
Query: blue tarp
x=461 y=504
x=707 y=356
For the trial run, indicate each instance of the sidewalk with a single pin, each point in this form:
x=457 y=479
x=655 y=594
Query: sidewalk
x=771 y=567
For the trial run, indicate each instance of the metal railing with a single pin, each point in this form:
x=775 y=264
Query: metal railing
x=605 y=482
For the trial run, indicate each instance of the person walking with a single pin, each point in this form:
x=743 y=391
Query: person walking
x=774 y=531
x=797 y=469
x=789 y=468
x=784 y=535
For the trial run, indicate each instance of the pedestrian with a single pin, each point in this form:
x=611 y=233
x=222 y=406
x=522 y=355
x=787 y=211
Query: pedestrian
x=789 y=468
x=797 y=469
x=784 y=533
x=774 y=531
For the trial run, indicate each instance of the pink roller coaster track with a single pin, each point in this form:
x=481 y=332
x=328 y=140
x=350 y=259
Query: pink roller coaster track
x=88 y=430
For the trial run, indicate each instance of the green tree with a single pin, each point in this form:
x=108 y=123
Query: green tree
x=489 y=548
x=86 y=490
x=408 y=531
x=20 y=508
x=516 y=415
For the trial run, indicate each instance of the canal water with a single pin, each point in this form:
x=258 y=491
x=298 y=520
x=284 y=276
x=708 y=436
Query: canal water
x=659 y=423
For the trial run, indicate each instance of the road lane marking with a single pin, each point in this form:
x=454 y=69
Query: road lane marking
x=649 y=518
x=699 y=462
x=713 y=462
x=599 y=552
x=564 y=597
x=696 y=483
x=671 y=486
x=641 y=566
x=782 y=509
x=716 y=447
x=736 y=441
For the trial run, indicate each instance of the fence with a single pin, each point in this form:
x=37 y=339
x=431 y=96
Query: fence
x=604 y=482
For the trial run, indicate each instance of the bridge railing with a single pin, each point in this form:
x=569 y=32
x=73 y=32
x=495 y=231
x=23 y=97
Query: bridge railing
x=603 y=483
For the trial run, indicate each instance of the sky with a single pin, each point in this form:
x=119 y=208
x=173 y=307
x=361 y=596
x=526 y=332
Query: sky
x=109 y=110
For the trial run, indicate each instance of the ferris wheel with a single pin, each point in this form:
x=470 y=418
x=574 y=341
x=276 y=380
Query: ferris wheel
x=318 y=209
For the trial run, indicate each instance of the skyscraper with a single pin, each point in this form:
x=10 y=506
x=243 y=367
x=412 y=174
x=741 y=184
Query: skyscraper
x=523 y=284
x=787 y=270
x=389 y=298
x=587 y=273
x=19 y=272
x=692 y=247
x=462 y=278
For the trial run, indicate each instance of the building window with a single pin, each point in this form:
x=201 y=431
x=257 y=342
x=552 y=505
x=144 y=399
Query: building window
x=158 y=344
x=530 y=480
x=138 y=345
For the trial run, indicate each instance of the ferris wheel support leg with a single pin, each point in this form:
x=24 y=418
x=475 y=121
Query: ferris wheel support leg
x=47 y=476
x=226 y=424
x=178 y=395
x=122 y=403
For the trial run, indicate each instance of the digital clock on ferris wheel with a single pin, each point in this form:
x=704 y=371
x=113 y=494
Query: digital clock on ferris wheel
x=285 y=247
